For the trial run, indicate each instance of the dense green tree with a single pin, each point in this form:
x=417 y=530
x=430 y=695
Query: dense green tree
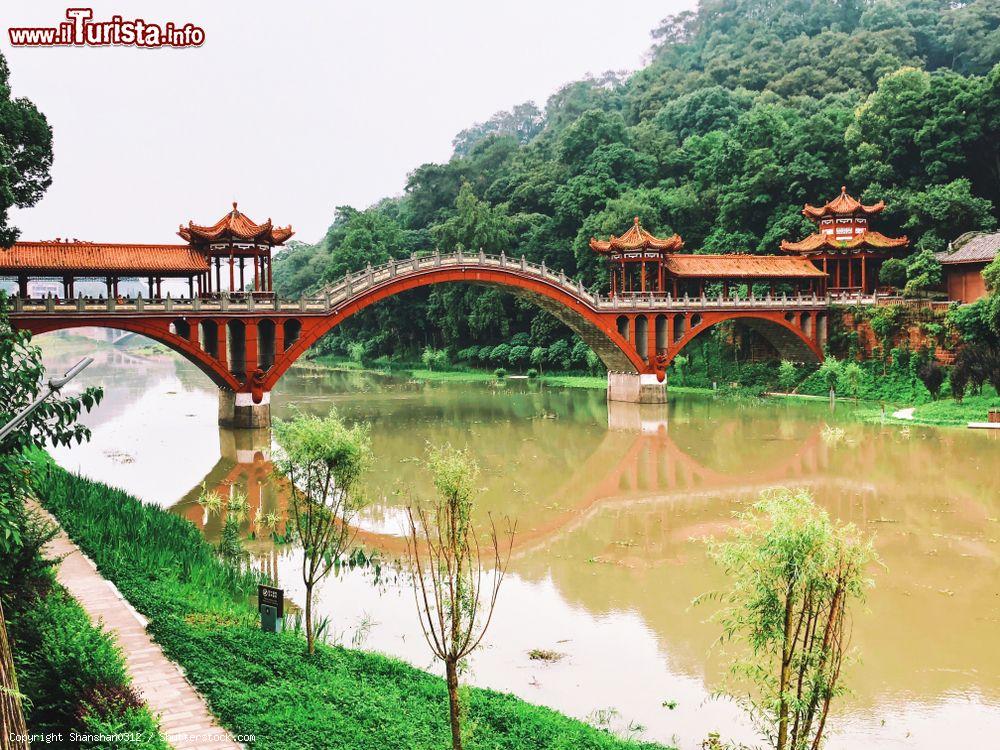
x=25 y=154
x=746 y=110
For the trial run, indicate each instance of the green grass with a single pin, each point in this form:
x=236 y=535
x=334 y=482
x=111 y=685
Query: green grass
x=263 y=684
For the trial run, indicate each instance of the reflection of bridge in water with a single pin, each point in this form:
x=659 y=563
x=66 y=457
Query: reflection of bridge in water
x=651 y=471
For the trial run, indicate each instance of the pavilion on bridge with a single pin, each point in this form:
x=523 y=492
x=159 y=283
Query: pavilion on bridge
x=640 y=263
x=849 y=253
x=234 y=241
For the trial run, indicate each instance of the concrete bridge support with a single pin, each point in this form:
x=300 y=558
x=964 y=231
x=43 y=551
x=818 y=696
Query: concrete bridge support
x=238 y=411
x=636 y=388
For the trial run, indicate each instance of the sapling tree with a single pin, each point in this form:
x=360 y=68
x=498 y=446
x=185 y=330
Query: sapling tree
x=787 y=375
x=829 y=371
x=794 y=576
x=323 y=460
x=454 y=592
x=850 y=377
x=679 y=363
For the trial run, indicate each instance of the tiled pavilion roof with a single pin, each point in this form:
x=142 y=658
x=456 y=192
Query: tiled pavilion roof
x=821 y=242
x=238 y=227
x=637 y=238
x=59 y=257
x=842 y=205
x=741 y=266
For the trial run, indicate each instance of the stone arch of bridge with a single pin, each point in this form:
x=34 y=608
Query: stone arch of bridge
x=597 y=329
x=784 y=331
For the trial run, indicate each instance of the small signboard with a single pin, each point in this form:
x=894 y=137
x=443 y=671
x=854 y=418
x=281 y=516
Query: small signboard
x=272 y=597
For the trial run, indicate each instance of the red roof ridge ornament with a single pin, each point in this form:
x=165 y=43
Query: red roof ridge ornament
x=235 y=227
x=637 y=238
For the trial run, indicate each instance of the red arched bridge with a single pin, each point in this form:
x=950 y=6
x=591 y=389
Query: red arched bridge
x=245 y=344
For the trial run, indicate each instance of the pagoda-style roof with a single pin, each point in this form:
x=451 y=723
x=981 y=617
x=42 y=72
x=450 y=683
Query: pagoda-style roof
x=741 y=266
x=637 y=238
x=842 y=205
x=237 y=227
x=821 y=242
x=58 y=257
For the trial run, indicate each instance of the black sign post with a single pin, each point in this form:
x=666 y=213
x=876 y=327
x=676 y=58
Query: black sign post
x=271 y=605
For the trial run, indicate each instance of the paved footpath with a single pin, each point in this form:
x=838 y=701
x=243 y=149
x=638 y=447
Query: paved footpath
x=184 y=717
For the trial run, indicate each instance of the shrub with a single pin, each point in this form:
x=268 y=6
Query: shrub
x=893 y=273
x=356 y=351
x=499 y=373
x=787 y=375
x=923 y=271
x=931 y=374
x=532 y=373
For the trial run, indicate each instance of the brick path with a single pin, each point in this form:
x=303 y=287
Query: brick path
x=184 y=717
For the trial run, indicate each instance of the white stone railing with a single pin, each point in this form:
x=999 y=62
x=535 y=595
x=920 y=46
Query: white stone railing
x=355 y=284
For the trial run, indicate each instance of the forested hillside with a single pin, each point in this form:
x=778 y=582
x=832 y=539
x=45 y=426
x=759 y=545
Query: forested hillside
x=746 y=110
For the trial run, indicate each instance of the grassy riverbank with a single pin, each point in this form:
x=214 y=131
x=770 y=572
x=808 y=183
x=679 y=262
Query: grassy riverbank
x=945 y=412
x=201 y=612
x=71 y=673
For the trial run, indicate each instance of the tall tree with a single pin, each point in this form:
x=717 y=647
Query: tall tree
x=25 y=154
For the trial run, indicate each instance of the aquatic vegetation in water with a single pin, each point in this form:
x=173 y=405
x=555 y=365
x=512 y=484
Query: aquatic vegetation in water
x=544 y=654
x=831 y=435
x=210 y=500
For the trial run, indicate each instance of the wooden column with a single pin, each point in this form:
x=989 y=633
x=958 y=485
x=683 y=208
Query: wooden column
x=864 y=275
x=232 y=271
x=149 y=286
x=243 y=282
x=218 y=274
x=256 y=272
x=22 y=286
x=159 y=287
x=191 y=287
x=270 y=275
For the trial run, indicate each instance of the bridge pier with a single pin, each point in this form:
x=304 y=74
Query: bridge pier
x=636 y=388
x=237 y=411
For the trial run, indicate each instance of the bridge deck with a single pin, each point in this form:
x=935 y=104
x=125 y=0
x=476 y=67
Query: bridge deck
x=356 y=284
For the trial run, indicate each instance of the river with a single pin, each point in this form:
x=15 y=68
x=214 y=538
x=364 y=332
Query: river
x=611 y=506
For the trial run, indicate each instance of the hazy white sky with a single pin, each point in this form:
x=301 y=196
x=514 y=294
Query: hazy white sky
x=291 y=108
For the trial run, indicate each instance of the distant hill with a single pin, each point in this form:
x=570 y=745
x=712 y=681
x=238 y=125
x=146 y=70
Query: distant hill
x=746 y=110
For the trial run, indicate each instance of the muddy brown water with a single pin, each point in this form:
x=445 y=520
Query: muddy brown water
x=611 y=504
